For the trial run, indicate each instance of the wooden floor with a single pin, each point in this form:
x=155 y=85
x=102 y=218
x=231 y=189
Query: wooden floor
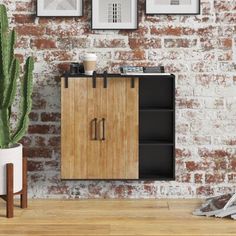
x=112 y=217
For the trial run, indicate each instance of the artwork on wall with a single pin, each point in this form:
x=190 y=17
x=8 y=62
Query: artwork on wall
x=114 y=14
x=185 y=7
x=59 y=7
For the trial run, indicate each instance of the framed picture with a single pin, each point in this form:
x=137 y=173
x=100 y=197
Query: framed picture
x=59 y=7
x=177 y=7
x=114 y=14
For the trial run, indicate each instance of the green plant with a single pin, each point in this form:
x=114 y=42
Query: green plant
x=9 y=74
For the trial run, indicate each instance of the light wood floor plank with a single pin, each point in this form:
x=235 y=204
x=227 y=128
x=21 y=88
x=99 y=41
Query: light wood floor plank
x=112 y=217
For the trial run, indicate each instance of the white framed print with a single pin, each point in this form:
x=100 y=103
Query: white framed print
x=176 y=7
x=59 y=7
x=114 y=14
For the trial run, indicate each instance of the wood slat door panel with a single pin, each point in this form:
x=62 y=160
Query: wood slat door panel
x=94 y=159
x=67 y=130
x=122 y=129
x=106 y=162
x=81 y=127
x=115 y=143
x=132 y=130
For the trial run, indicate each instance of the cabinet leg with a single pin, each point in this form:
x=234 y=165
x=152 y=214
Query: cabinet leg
x=23 y=196
x=10 y=194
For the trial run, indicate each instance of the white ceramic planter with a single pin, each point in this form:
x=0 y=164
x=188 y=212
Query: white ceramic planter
x=14 y=156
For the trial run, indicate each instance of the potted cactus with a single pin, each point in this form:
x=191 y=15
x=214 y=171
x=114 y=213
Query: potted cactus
x=10 y=149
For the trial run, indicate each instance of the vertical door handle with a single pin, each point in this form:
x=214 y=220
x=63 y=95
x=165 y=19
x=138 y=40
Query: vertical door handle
x=103 y=128
x=94 y=129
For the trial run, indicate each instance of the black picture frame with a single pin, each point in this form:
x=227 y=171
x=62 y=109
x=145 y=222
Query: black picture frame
x=94 y=28
x=69 y=16
x=169 y=13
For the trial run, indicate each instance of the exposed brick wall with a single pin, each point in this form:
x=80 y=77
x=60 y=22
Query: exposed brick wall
x=200 y=50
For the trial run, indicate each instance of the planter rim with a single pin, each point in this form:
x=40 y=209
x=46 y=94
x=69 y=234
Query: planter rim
x=16 y=145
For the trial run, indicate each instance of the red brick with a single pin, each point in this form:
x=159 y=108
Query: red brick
x=169 y=30
x=191 y=166
x=214 y=178
x=203 y=152
x=35 y=165
x=220 y=165
x=51 y=56
x=180 y=43
x=25 y=6
x=52 y=116
x=43 y=43
x=208 y=43
x=207 y=31
x=223 y=5
x=225 y=43
x=233 y=165
x=180 y=153
x=184 y=178
x=30 y=30
x=59 y=31
x=71 y=42
x=130 y=55
x=35 y=177
x=33 y=116
x=43 y=129
x=38 y=101
x=109 y=43
x=194 y=166
x=225 y=56
x=55 y=189
x=227 y=18
x=182 y=128
x=198 y=178
x=204 y=191
x=202 y=140
x=52 y=165
x=40 y=141
x=54 y=141
x=23 y=18
x=145 y=43
x=38 y=152
x=188 y=103
x=141 y=31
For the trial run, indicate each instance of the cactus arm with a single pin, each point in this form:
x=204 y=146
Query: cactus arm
x=11 y=46
x=12 y=42
x=13 y=83
x=4 y=129
x=4 y=61
x=3 y=53
x=3 y=18
x=26 y=102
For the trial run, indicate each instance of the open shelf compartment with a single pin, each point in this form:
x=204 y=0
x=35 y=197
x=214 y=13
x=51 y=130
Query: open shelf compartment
x=156 y=126
x=157 y=93
x=156 y=162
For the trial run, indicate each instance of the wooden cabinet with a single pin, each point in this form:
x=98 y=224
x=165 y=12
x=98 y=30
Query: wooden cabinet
x=99 y=131
x=125 y=130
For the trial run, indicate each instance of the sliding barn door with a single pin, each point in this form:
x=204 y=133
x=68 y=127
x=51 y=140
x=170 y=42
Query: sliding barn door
x=121 y=145
x=99 y=129
x=74 y=128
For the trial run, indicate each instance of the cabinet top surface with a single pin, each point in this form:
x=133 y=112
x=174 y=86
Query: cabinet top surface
x=159 y=75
